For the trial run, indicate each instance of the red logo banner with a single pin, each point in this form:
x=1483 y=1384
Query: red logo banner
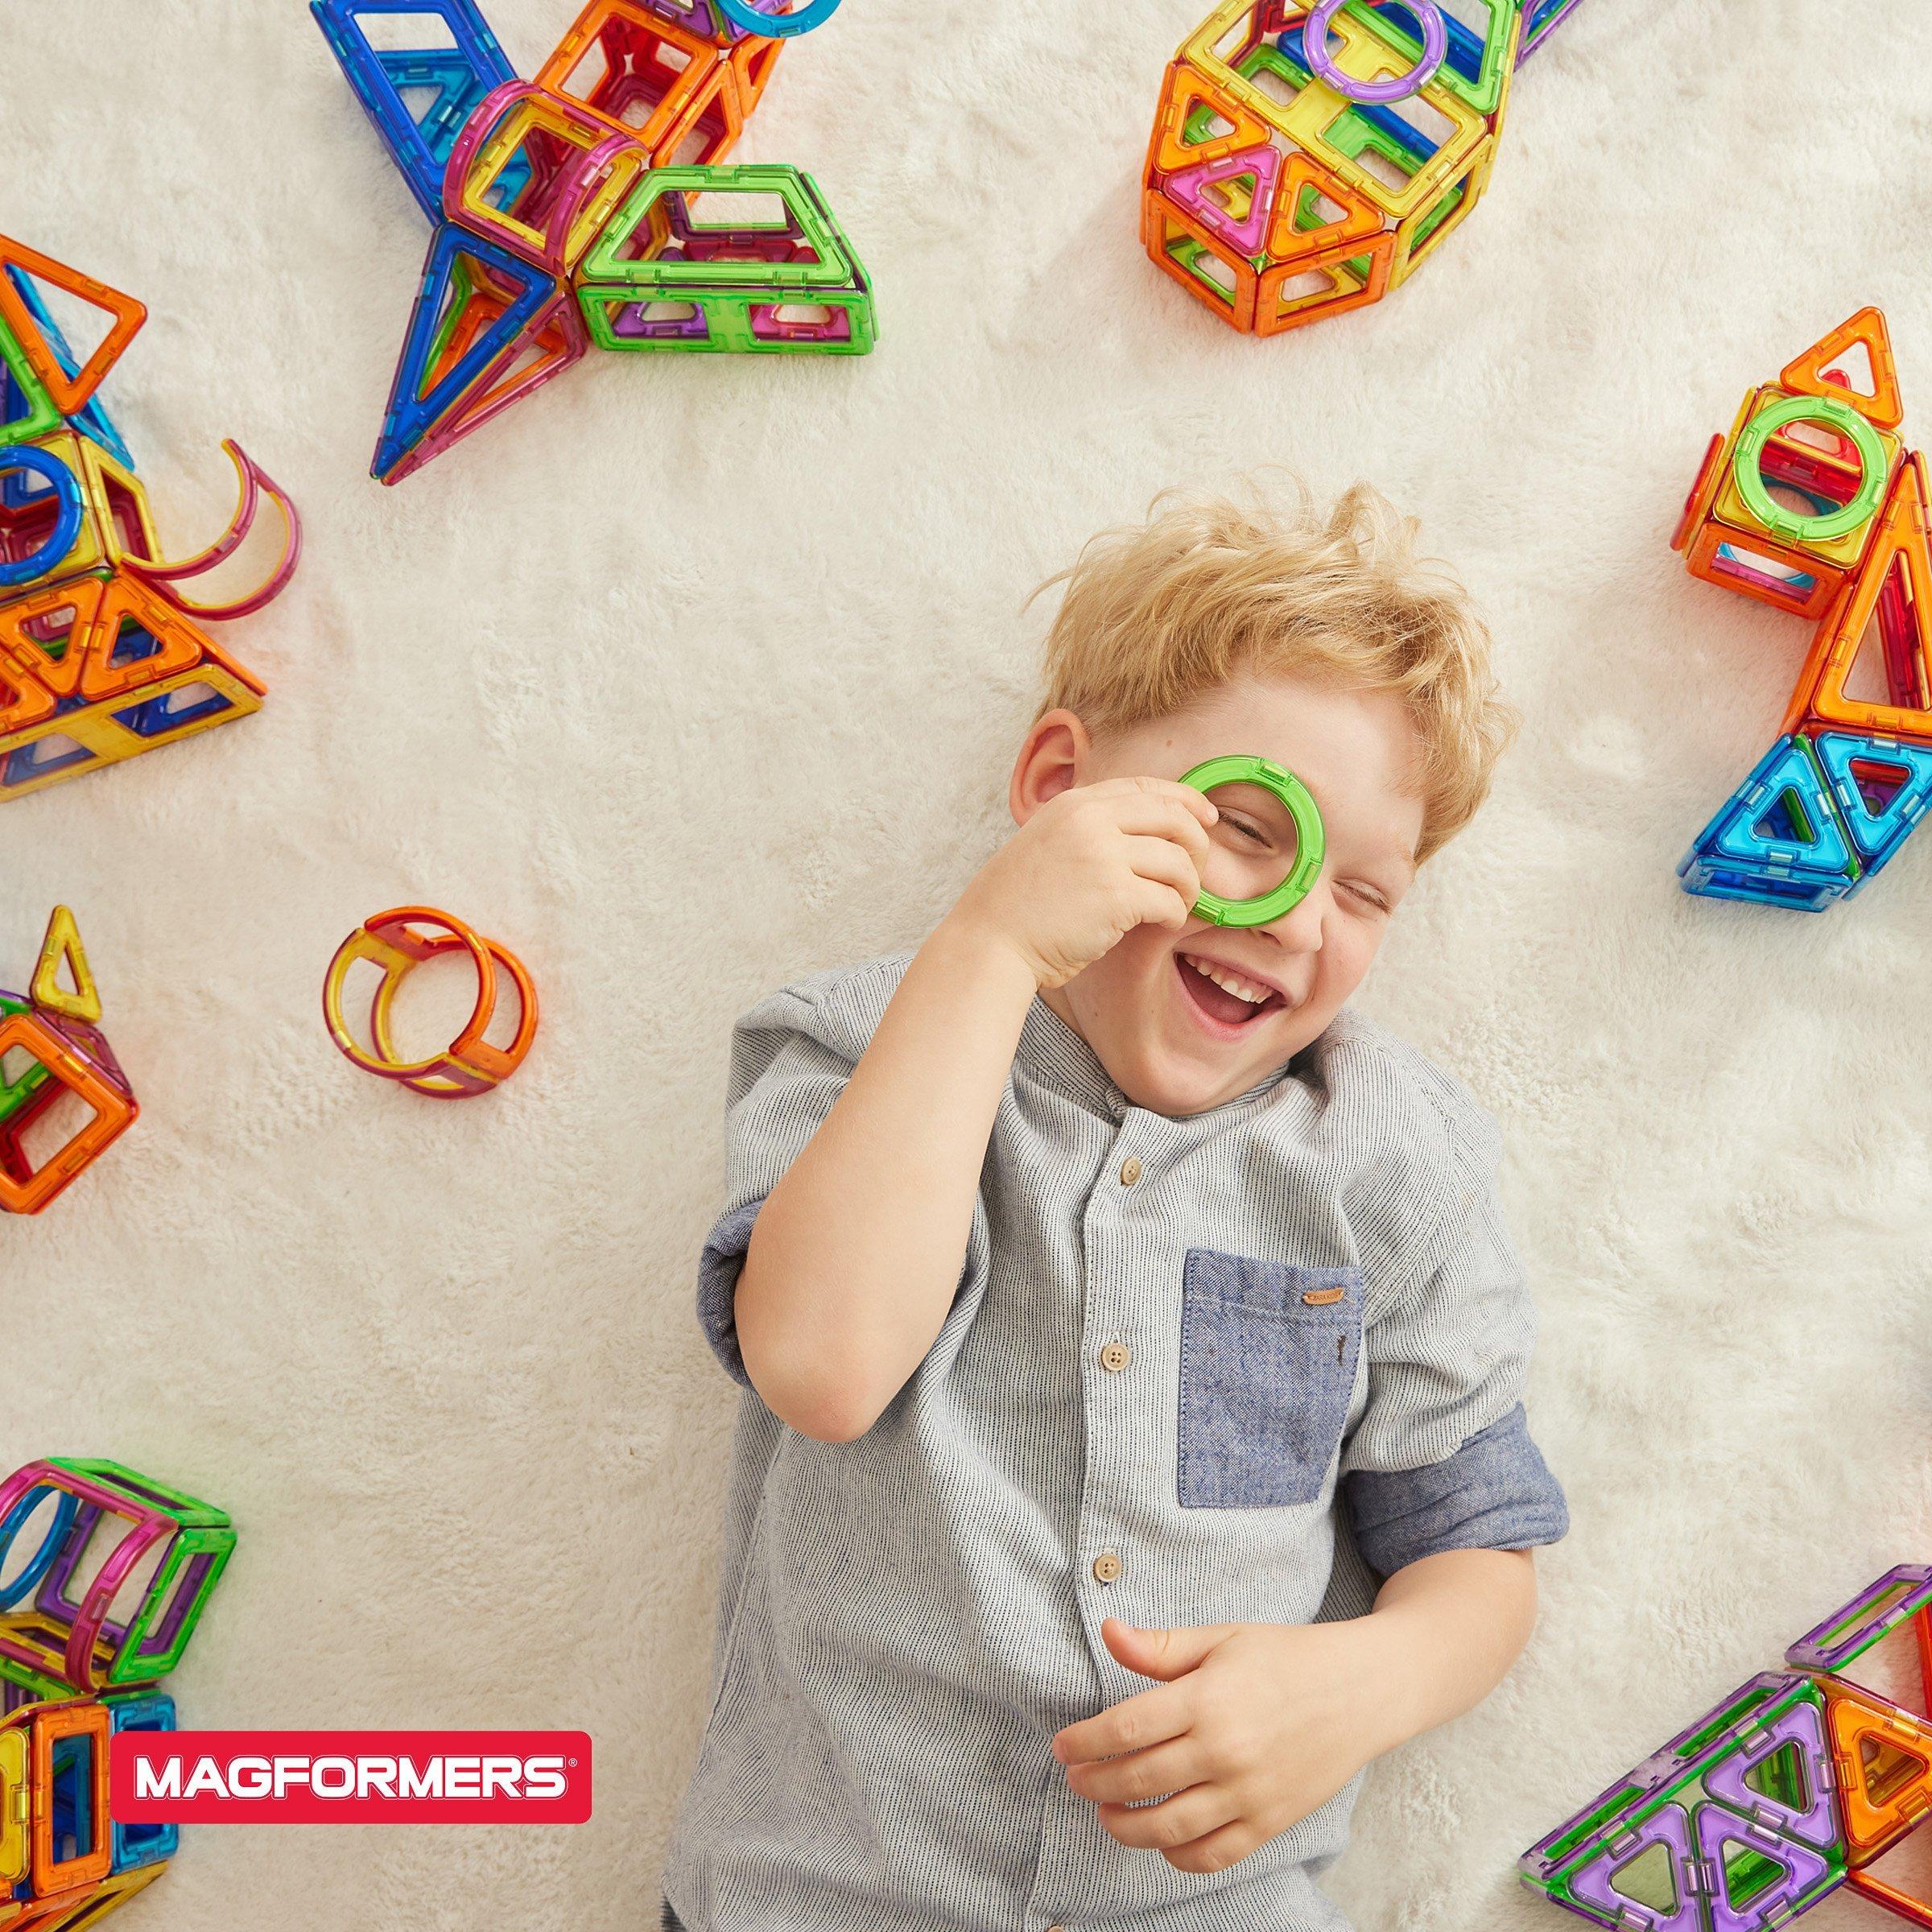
x=360 y=1777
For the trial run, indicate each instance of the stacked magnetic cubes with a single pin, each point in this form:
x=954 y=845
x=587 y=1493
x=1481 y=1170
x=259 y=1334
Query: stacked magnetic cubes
x=51 y=1048
x=72 y=1677
x=1798 y=1781
x=587 y=208
x=99 y=657
x=1813 y=504
x=1306 y=159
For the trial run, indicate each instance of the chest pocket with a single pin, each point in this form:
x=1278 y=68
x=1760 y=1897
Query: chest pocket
x=1268 y=1358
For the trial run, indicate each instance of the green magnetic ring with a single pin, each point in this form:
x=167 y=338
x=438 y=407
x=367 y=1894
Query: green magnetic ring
x=1747 y=468
x=1311 y=840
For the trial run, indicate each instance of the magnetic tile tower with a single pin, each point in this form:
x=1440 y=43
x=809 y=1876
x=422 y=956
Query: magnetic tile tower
x=100 y=1608
x=1305 y=160
x=587 y=208
x=1813 y=504
x=1801 y=1781
x=51 y=1048
x=102 y=654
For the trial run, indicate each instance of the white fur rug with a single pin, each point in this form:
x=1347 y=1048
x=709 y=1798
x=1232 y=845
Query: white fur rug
x=693 y=675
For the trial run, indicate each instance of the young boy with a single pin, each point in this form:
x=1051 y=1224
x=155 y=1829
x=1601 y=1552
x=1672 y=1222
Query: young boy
x=1088 y=1271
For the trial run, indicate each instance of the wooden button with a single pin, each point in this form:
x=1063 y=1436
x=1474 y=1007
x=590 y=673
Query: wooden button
x=1115 y=1356
x=1106 y=1567
x=1130 y=1169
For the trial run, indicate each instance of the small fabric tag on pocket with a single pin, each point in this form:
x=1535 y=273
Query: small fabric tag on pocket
x=1323 y=1298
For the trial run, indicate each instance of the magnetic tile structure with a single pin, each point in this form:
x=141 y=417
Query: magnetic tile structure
x=52 y=1052
x=102 y=656
x=1813 y=504
x=108 y=1573
x=1307 y=160
x=589 y=207
x=1802 y=1780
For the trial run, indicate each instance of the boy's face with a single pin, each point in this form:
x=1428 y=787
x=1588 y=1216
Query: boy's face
x=1183 y=1022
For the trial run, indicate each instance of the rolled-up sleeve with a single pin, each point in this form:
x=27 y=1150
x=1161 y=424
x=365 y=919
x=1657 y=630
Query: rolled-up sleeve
x=788 y=1067
x=1441 y=1457
x=718 y=1266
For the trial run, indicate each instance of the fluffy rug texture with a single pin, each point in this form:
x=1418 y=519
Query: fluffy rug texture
x=694 y=674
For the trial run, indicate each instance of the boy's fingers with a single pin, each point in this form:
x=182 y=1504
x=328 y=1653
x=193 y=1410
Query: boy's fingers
x=1171 y=1766
x=1199 y=805
x=1148 y=1717
x=1191 y=830
x=1164 y=862
x=1163 y=906
x=1166 y=818
x=1182 y=1818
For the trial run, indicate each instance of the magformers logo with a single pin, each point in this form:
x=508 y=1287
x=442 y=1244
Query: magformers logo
x=314 y=1778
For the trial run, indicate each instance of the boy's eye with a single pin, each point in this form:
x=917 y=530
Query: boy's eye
x=1367 y=894
x=1252 y=832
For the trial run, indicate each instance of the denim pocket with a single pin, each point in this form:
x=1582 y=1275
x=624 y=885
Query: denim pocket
x=1268 y=1358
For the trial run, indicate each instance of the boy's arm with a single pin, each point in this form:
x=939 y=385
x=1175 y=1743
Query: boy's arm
x=1446 y=1628
x=856 y=1253
x=854 y=1256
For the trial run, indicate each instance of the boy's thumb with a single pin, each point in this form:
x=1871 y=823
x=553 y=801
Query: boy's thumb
x=1155 y=1652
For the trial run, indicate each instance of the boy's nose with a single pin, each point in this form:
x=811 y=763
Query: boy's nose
x=1299 y=928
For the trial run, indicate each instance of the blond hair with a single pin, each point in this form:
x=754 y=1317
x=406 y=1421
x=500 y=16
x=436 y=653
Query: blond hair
x=1158 y=613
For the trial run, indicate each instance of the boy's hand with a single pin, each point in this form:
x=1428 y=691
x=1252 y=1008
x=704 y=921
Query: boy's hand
x=1259 y=1724
x=1091 y=865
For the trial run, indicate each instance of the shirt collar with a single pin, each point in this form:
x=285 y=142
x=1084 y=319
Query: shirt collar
x=1058 y=1058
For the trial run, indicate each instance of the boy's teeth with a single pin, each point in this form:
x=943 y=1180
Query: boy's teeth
x=1228 y=982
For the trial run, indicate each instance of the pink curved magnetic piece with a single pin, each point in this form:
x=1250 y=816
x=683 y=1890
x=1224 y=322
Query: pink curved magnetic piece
x=100 y=1598
x=483 y=118
x=255 y=482
x=147 y=1528
x=47 y=1474
x=571 y=192
x=1186 y=185
x=23 y=1483
x=18 y=1485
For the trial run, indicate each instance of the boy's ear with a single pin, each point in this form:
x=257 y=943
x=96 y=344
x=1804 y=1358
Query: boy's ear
x=1050 y=761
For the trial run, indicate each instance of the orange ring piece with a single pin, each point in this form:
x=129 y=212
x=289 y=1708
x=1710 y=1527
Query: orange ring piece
x=478 y=1065
x=470 y=1065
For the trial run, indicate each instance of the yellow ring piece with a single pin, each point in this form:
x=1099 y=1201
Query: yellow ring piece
x=470 y=1065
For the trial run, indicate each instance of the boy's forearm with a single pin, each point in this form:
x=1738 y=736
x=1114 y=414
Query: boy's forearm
x=1448 y=1628
x=856 y=1254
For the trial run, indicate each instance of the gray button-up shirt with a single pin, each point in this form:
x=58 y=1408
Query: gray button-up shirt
x=1219 y=1368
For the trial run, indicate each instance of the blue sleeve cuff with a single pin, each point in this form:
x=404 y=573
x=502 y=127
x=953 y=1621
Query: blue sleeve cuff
x=1496 y=1493
x=718 y=1283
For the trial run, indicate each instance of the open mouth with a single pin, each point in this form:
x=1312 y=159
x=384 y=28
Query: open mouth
x=1222 y=996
